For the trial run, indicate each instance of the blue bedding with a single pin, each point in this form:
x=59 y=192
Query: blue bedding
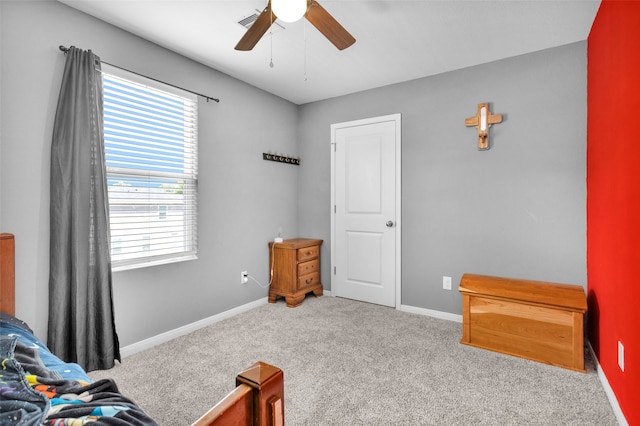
x=37 y=388
x=13 y=327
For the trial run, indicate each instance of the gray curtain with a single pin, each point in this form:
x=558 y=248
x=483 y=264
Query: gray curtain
x=81 y=321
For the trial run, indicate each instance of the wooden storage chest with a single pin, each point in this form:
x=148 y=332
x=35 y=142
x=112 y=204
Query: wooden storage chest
x=535 y=320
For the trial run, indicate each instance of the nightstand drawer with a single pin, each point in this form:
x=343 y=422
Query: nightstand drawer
x=308 y=253
x=305 y=268
x=308 y=280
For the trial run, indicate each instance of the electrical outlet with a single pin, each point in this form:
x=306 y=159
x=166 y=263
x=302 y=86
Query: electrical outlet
x=244 y=277
x=446 y=283
x=620 y=355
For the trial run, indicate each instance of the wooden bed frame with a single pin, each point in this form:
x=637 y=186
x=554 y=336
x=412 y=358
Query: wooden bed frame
x=258 y=399
x=7 y=274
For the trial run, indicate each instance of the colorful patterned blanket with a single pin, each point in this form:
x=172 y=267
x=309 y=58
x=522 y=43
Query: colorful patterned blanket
x=36 y=388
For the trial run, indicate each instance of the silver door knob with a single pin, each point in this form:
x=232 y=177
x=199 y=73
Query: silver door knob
x=389 y=223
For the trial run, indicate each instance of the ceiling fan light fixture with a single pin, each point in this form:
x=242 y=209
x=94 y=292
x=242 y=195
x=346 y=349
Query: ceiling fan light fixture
x=289 y=10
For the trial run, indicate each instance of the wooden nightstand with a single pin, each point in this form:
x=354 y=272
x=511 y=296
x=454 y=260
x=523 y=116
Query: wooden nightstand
x=296 y=270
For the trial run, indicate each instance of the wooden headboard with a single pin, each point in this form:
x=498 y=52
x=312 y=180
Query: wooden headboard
x=7 y=274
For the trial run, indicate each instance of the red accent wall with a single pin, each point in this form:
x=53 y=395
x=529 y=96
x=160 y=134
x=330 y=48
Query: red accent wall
x=613 y=197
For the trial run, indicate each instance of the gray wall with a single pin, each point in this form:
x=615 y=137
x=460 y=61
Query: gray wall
x=517 y=210
x=243 y=200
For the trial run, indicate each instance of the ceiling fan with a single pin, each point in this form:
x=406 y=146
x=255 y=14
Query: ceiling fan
x=312 y=11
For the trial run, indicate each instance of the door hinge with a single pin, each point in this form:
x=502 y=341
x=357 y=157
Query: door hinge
x=335 y=209
x=334 y=270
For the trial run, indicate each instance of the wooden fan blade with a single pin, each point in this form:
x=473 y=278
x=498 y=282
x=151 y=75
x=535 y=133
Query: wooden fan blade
x=327 y=25
x=257 y=29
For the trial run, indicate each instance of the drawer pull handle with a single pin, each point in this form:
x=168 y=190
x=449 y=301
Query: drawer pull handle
x=309 y=280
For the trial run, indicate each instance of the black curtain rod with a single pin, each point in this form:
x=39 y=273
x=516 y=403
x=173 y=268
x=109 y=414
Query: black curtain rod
x=208 y=98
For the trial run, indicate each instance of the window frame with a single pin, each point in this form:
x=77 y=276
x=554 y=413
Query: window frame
x=190 y=222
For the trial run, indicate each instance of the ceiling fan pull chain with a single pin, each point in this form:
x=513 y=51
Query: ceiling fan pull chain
x=271 y=40
x=304 y=32
x=271 y=60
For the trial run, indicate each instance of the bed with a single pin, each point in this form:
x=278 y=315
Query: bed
x=37 y=388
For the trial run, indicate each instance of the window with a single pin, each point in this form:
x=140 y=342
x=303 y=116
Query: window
x=150 y=134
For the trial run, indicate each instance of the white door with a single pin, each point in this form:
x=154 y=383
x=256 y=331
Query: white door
x=365 y=222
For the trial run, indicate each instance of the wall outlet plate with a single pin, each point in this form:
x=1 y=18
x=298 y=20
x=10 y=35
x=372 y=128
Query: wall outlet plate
x=244 y=277
x=620 y=355
x=446 y=283
x=278 y=240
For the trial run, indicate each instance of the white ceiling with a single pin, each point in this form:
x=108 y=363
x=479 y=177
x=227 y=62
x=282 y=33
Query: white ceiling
x=396 y=40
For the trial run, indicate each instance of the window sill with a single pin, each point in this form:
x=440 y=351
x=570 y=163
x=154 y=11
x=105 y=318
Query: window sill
x=154 y=262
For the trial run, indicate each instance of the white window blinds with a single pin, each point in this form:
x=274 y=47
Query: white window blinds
x=152 y=157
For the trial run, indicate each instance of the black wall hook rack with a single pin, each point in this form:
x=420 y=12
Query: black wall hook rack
x=280 y=158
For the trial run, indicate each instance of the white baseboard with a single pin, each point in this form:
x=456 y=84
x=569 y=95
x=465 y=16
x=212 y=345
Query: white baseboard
x=189 y=328
x=607 y=389
x=431 y=313
x=420 y=311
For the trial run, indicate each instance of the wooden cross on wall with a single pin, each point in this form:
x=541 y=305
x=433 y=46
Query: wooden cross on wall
x=482 y=121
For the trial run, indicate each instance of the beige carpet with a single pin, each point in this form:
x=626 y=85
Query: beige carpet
x=352 y=363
